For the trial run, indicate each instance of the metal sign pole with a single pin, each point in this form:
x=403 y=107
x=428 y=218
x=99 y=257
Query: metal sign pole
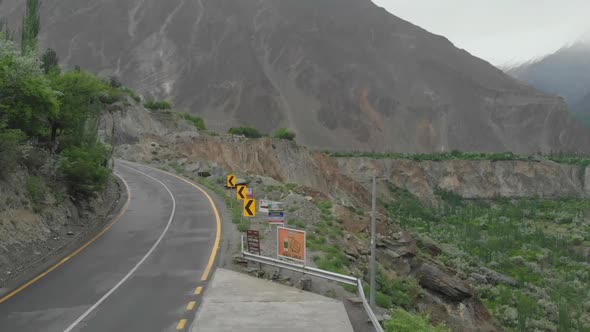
x=372 y=261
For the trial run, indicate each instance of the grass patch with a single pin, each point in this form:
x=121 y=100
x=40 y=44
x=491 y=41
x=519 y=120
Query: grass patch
x=403 y=321
x=37 y=191
x=296 y=223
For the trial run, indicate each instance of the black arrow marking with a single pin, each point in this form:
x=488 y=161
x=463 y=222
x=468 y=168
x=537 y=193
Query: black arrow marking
x=231 y=181
x=247 y=207
x=241 y=191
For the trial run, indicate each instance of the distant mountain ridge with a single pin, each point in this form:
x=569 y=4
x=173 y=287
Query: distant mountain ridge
x=565 y=73
x=342 y=74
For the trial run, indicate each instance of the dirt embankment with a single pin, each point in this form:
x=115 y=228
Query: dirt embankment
x=40 y=223
x=347 y=180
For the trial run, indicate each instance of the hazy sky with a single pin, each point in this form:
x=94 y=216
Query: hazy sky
x=499 y=31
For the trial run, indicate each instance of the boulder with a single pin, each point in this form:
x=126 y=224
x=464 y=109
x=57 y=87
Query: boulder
x=498 y=278
x=400 y=244
x=431 y=248
x=436 y=280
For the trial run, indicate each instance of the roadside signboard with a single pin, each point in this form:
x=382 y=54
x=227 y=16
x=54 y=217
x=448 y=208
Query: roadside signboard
x=253 y=242
x=249 y=193
x=265 y=205
x=249 y=207
x=291 y=244
x=240 y=192
x=231 y=181
x=276 y=217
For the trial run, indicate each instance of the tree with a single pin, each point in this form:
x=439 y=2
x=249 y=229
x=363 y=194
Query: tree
x=30 y=27
x=79 y=98
x=50 y=62
x=27 y=101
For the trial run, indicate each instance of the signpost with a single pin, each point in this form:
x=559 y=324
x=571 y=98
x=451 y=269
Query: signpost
x=291 y=244
x=276 y=217
x=266 y=205
x=249 y=207
x=249 y=193
x=231 y=181
x=240 y=192
x=253 y=242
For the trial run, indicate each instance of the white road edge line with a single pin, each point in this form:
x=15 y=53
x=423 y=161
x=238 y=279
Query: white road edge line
x=126 y=277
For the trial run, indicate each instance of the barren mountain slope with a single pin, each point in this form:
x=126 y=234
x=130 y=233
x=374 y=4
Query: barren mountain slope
x=344 y=74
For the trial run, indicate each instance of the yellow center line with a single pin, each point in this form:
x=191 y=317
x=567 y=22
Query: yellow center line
x=198 y=290
x=217 y=221
x=181 y=324
x=106 y=229
x=191 y=305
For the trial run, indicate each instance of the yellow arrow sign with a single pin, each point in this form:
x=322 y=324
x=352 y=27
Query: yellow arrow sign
x=249 y=207
x=231 y=181
x=241 y=192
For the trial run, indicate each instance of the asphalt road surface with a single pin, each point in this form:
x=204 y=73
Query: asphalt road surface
x=146 y=271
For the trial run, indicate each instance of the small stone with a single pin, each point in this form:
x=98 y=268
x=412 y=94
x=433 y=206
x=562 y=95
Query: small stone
x=308 y=198
x=70 y=233
x=355 y=300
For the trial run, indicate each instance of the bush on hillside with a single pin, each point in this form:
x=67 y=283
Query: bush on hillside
x=195 y=120
x=404 y=321
x=246 y=131
x=86 y=168
x=157 y=105
x=284 y=133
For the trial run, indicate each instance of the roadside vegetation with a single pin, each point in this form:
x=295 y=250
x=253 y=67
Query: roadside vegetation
x=542 y=245
x=47 y=109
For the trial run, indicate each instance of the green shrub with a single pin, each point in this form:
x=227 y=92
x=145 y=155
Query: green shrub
x=246 y=131
x=325 y=206
x=157 y=105
x=86 y=168
x=284 y=133
x=244 y=226
x=131 y=94
x=195 y=120
x=403 y=321
x=36 y=190
x=111 y=96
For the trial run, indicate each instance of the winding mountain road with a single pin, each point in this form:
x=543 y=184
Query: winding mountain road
x=144 y=272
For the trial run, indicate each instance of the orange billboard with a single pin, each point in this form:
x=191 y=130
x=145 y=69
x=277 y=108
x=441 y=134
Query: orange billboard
x=291 y=243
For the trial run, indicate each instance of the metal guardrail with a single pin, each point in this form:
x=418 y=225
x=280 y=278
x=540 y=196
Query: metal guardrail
x=301 y=268
x=368 y=309
x=348 y=280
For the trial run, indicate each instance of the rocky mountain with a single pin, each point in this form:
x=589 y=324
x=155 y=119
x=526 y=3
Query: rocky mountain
x=565 y=72
x=343 y=74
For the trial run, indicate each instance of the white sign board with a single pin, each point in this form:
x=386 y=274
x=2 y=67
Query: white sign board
x=264 y=205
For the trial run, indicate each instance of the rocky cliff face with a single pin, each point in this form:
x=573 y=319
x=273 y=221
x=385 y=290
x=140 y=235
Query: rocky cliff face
x=345 y=179
x=343 y=74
